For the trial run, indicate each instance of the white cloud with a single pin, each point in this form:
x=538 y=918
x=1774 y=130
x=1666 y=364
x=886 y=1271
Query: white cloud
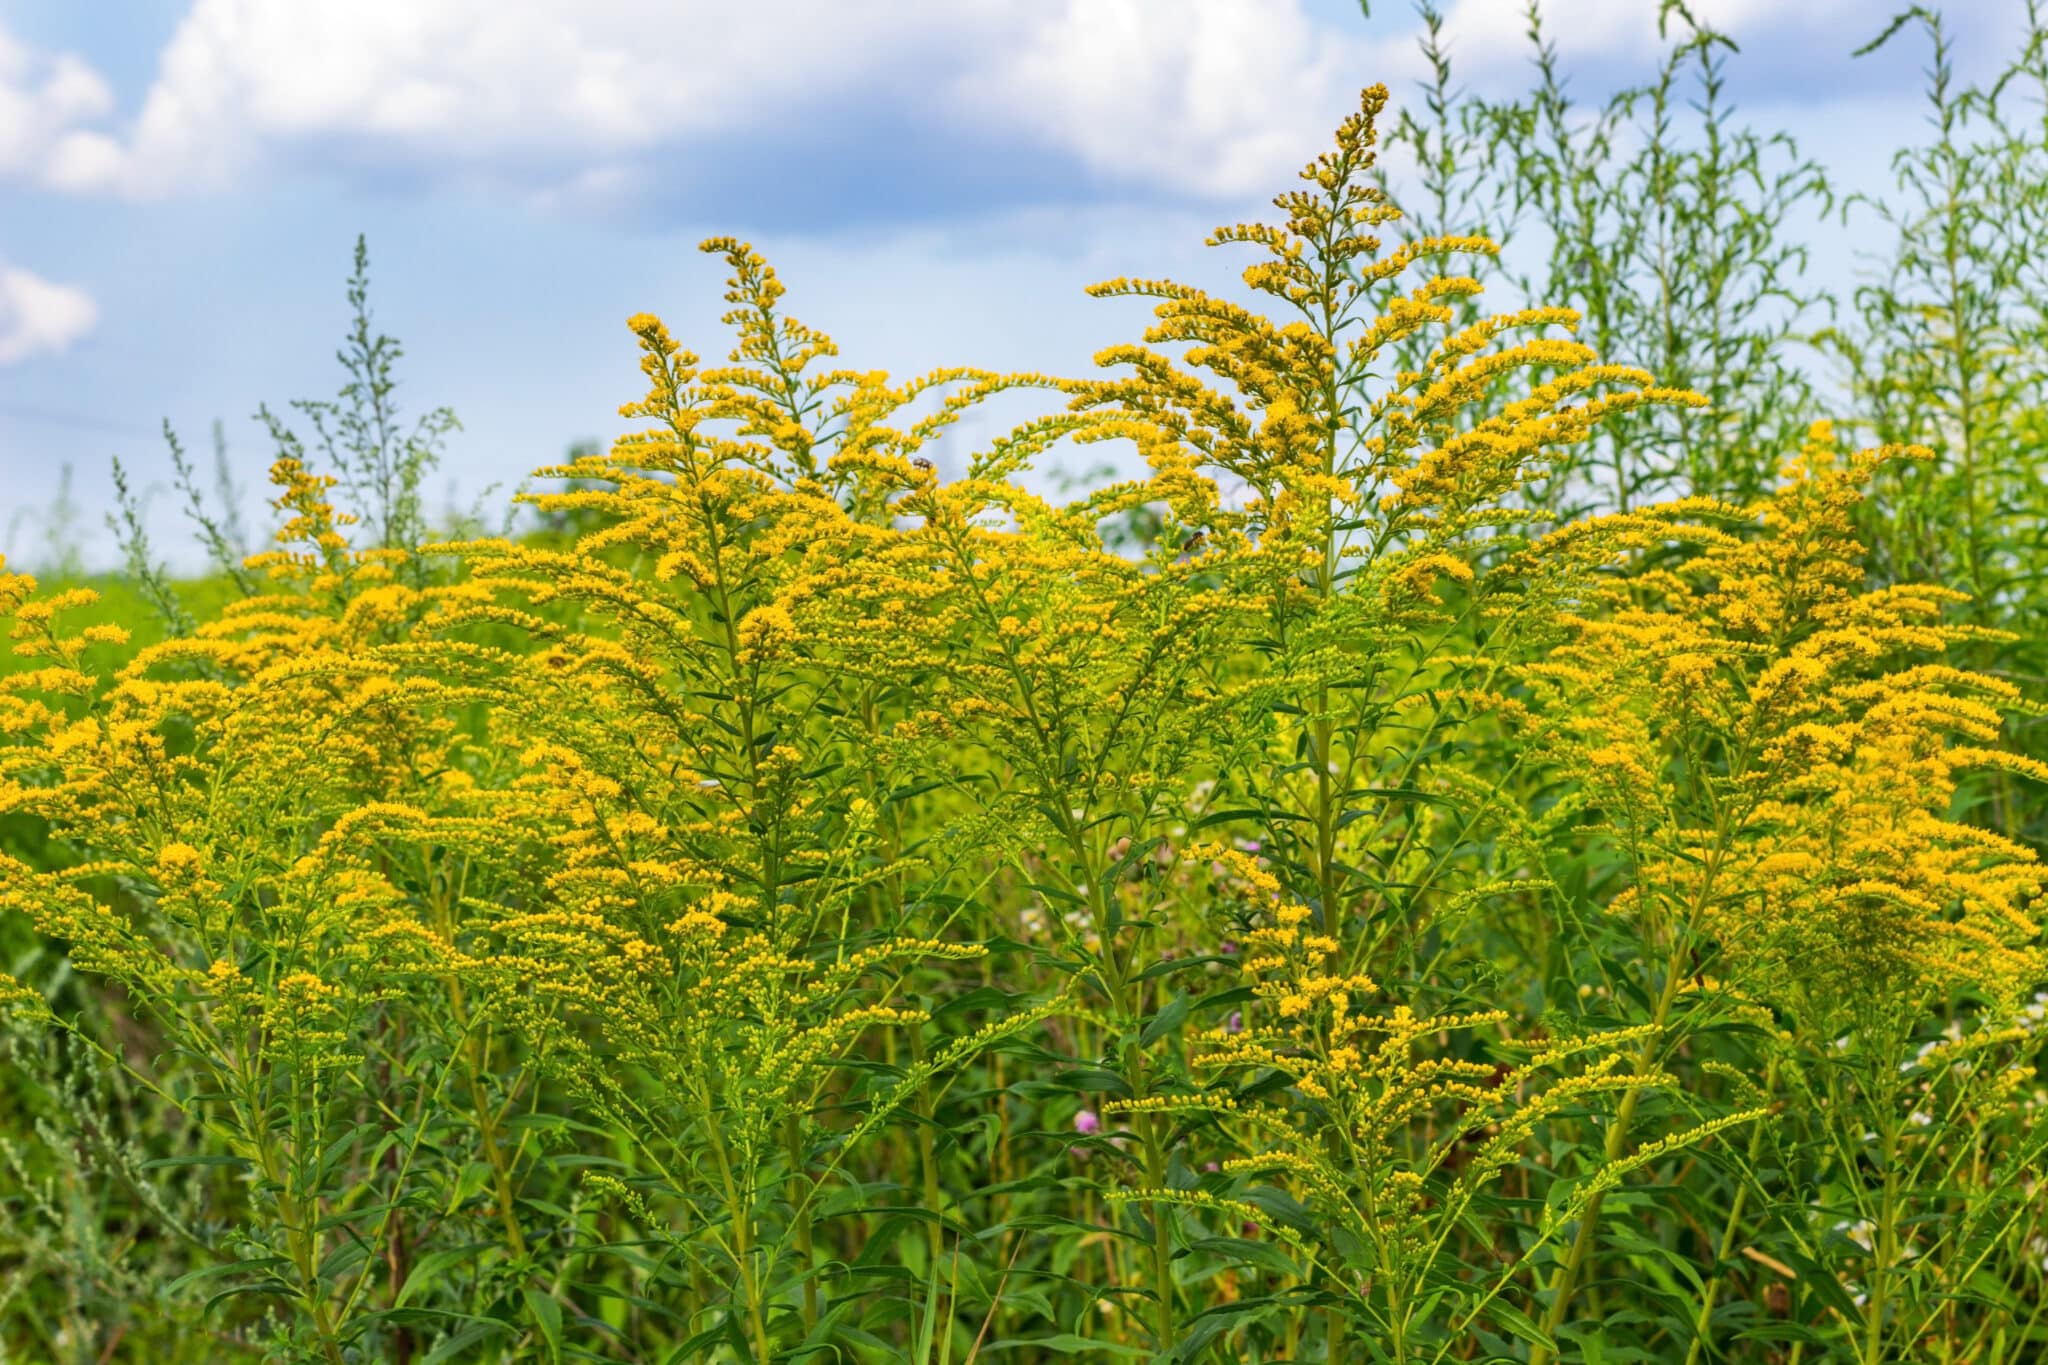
x=530 y=90
x=38 y=316
x=43 y=100
x=591 y=100
x=1215 y=96
x=1202 y=96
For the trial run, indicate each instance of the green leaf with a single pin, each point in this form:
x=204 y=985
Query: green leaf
x=1247 y=1252
x=251 y=1266
x=165 y=1163
x=1521 y=1324
x=1166 y=1021
x=433 y=1266
x=1063 y=1341
x=547 y=1315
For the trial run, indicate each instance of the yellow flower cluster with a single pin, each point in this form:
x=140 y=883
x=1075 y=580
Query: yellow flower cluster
x=1784 y=747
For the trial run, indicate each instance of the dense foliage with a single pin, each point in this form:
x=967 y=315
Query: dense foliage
x=1380 y=886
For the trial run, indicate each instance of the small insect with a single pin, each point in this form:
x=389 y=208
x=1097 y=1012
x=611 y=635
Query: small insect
x=1194 y=543
x=922 y=465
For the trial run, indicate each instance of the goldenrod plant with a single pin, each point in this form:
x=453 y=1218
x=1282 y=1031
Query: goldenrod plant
x=806 y=893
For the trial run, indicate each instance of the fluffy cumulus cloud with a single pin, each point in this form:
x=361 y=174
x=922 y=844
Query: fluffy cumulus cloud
x=46 y=103
x=1212 y=96
x=604 y=99
x=37 y=316
x=528 y=90
x=1197 y=96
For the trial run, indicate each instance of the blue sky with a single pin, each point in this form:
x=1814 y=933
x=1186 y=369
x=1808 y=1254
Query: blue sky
x=936 y=180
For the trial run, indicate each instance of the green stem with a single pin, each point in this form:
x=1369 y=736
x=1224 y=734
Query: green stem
x=1162 y=1232
x=741 y=1214
x=305 y=1258
x=1883 y=1250
x=800 y=1201
x=1703 y=1319
x=927 y=1153
x=1166 y=1320
x=1567 y=1278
